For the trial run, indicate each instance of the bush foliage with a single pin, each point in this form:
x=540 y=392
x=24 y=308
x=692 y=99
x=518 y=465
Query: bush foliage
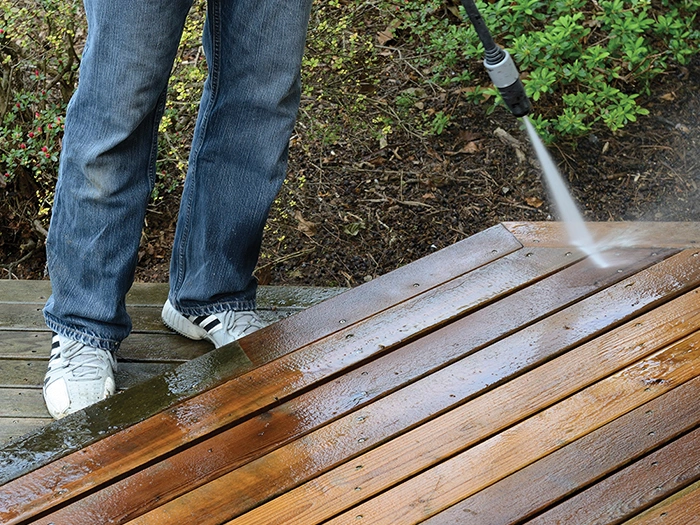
x=584 y=64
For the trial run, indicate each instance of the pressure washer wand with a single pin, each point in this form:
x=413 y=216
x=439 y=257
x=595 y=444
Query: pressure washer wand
x=500 y=65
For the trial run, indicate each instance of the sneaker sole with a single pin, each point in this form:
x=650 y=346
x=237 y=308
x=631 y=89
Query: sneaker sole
x=179 y=323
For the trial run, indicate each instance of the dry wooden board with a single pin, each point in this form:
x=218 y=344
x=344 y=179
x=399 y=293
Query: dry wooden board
x=155 y=294
x=19 y=373
x=416 y=499
x=611 y=234
x=17 y=427
x=682 y=508
x=634 y=488
x=22 y=403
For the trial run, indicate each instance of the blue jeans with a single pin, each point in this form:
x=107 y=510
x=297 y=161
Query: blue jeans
x=237 y=161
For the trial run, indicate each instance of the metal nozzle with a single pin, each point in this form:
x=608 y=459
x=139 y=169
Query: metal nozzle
x=506 y=78
x=500 y=66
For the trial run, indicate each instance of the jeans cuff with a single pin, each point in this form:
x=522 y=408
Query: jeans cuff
x=216 y=308
x=82 y=336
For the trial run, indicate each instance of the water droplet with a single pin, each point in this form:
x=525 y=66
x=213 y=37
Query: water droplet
x=416 y=285
x=529 y=254
x=567 y=254
x=342 y=321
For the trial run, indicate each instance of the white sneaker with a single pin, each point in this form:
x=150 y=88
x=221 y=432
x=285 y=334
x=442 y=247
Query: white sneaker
x=220 y=329
x=78 y=376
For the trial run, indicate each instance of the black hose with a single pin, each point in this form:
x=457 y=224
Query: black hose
x=493 y=53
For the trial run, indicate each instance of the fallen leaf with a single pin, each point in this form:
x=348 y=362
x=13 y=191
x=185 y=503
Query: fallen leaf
x=468 y=136
x=384 y=36
x=387 y=35
x=308 y=228
x=668 y=96
x=354 y=228
x=468 y=149
x=535 y=202
x=454 y=10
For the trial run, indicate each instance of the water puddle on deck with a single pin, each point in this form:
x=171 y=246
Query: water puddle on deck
x=579 y=234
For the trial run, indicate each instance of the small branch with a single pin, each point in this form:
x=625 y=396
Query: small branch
x=11 y=266
x=288 y=257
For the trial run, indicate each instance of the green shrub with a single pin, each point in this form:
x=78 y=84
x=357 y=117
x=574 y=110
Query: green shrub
x=38 y=70
x=586 y=63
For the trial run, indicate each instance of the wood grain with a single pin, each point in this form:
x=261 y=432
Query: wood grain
x=588 y=460
x=183 y=472
x=443 y=485
x=318 y=499
x=617 y=234
x=635 y=488
x=682 y=508
x=22 y=402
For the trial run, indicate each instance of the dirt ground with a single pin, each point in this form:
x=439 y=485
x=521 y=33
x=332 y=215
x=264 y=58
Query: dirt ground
x=348 y=214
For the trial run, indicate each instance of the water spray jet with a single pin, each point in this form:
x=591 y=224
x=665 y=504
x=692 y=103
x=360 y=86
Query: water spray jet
x=506 y=77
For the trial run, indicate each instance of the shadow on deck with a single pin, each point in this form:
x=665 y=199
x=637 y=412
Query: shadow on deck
x=505 y=379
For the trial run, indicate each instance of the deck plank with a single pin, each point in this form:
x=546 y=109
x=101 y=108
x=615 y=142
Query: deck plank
x=269 y=384
x=254 y=437
x=155 y=294
x=22 y=402
x=416 y=499
x=494 y=410
x=18 y=373
x=681 y=508
x=17 y=427
x=684 y=235
x=585 y=462
x=169 y=347
x=145 y=319
x=635 y=488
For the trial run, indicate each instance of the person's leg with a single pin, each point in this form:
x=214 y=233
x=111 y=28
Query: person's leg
x=107 y=166
x=106 y=174
x=239 y=153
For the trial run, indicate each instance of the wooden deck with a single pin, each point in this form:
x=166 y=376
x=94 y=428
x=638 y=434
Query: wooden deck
x=506 y=379
x=150 y=351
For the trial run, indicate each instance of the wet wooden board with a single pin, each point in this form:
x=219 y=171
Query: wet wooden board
x=244 y=442
x=508 y=366
x=148 y=352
